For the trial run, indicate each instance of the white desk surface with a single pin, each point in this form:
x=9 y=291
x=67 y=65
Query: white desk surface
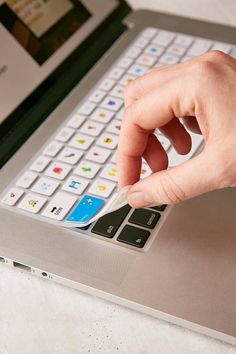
x=41 y=317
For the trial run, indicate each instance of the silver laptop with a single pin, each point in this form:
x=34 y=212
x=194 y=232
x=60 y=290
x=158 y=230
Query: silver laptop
x=63 y=68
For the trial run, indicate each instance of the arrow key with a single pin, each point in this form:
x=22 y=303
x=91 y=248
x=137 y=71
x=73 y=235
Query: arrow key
x=133 y=236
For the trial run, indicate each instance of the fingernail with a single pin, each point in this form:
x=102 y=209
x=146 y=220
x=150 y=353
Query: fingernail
x=140 y=200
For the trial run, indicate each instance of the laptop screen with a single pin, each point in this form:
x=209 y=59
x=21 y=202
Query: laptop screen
x=35 y=38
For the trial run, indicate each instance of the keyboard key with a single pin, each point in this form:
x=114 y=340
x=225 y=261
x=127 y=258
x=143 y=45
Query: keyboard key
x=141 y=42
x=133 y=52
x=86 y=209
x=80 y=141
x=107 y=84
x=114 y=127
x=226 y=48
x=138 y=70
x=52 y=149
x=176 y=49
x=64 y=135
x=59 y=206
x=70 y=155
x=97 y=96
x=145 y=59
x=118 y=91
x=87 y=169
x=116 y=73
x=133 y=236
x=32 y=203
x=98 y=154
x=76 y=121
x=87 y=108
x=40 y=164
x=45 y=186
x=108 y=140
x=108 y=225
x=12 y=196
x=125 y=62
x=110 y=172
x=102 y=115
x=75 y=185
x=92 y=128
x=102 y=188
x=26 y=179
x=183 y=40
x=168 y=59
x=159 y=207
x=233 y=52
x=186 y=58
x=112 y=103
x=200 y=46
x=145 y=218
x=149 y=32
x=120 y=114
x=163 y=38
x=114 y=158
x=155 y=50
x=58 y=170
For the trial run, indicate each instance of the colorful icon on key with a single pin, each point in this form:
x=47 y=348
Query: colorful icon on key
x=107 y=140
x=86 y=209
x=45 y=186
x=72 y=154
x=74 y=184
x=80 y=141
x=33 y=202
x=57 y=170
x=91 y=127
x=111 y=103
x=101 y=187
x=86 y=169
x=112 y=172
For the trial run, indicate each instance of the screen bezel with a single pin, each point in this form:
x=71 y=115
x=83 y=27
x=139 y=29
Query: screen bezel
x=20 y=124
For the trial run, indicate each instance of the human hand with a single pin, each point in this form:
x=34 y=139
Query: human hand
x=203 y=91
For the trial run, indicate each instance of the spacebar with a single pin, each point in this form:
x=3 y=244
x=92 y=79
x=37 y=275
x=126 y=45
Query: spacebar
x=109 y=224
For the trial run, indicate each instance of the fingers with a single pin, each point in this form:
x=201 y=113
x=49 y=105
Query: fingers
x=176 y=184
x=154 y=110
x=155 y=155
x=177 y=134
x=192 y=124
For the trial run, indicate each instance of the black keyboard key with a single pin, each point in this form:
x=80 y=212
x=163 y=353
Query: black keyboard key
x=159 y=207
x=108 y=224
x=133 y=236
x=145 y=218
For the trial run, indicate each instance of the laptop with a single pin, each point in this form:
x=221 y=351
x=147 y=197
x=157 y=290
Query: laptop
x=63 y=68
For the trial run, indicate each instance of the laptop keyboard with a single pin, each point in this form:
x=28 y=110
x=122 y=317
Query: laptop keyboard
x=80 y=159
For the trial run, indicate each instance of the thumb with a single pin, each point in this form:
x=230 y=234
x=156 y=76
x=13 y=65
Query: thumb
x=194 y=177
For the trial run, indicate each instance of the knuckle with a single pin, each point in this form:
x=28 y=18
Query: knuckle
x=133 y=89
x=129 y=89
x=132 y=113
x=216 y=55
x=168 y=190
